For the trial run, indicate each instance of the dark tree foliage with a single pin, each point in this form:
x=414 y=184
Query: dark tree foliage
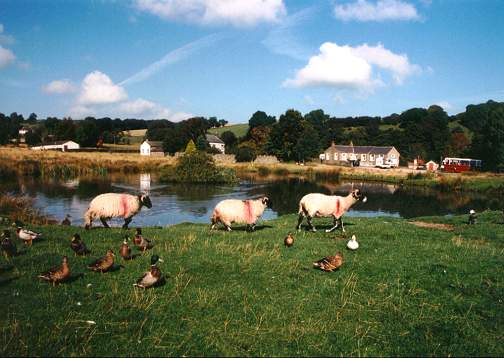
x=260 y=119
x=308 y=144
x=285 y=135
x=65 y=130
x=245 y=154
x=87 y=133
x=229 y=138
x=174 y=140
x=202 y=144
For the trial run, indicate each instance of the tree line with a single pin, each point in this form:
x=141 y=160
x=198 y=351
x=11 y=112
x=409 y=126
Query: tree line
x=427 y=133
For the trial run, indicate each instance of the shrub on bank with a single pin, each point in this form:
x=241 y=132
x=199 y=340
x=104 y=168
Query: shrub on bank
x=198 y=167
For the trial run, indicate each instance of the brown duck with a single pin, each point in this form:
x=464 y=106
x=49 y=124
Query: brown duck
x=8 y=247
x=150 y=278
x=125 y=250
x=78 y=246
x=289 y=240
x=141 y=242
x=66 y=221
x=329 y=263
x=104 y=264
x=57 y=274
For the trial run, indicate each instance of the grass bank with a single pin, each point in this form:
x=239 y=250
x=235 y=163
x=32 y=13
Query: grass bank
x=22 y=161
x=408 y=290
x=400 y=176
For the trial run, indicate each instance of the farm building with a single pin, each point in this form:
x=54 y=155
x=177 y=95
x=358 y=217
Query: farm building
x=151 y=148
x=366 y=156
x=216 y=142
x=63 y=145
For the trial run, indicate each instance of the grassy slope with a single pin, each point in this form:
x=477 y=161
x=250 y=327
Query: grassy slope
x=238 y=129
x=406 y=291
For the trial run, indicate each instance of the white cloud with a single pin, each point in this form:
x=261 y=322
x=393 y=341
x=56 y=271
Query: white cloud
x=238 y=13
x=6 y=57
x=352 y=68
x=59 y=87
x=381 y=10
x=98 y=88
x=171 y=57
x=150 y=110
x=445 y=105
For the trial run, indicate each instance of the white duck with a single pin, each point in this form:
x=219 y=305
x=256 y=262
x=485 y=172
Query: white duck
x=27 y=236
x=352 y=244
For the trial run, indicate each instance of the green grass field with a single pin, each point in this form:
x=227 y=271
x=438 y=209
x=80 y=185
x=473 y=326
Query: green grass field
x=238 y=129
x=408 y=290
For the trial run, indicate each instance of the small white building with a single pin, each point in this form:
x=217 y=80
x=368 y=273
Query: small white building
x=63 y=145
x=216 y=142
x=151 y=148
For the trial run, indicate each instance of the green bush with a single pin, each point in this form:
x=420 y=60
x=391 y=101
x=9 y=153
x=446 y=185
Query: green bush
x=198 y=167
x=263 y=171
x=245 y=154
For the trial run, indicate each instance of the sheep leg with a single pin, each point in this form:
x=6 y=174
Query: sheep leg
x=214 y=223
x=341 y=224
x=252 y=227
x=227 y=227
x=104 y=222
x=300 y=221
x=126 y=222
x=335 y=225
x=310 y=225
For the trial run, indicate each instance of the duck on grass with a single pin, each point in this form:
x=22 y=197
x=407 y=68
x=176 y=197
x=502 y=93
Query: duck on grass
x=198 y=167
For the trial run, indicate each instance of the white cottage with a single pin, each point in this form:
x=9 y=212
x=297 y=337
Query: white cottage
x=151 y=148
x=216 y=142
x=63 y=145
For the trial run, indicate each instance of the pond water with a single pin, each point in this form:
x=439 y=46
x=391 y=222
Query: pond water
x=176 y=203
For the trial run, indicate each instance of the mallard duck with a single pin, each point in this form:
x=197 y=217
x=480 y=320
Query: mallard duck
x=104 y=264
x=66 y=221
x=352 y=244
x=27 y=236
x=78 y=246
x=330 y=263
x=472 y=217
x=125 y=250
x=142 y=242
x=289 y=240
x=57 y=274
x=150 y=278
x=8 y=247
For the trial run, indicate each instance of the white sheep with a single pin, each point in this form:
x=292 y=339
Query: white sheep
x=239 y=211
x=110 y=205
x=320 y=205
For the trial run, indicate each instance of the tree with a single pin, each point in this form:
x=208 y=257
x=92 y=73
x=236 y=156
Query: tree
x=222 y=122
x=87 y=133
x=202 y=144
x=65 y=129
x=245 y=154
x=260 y=119
x=490 y=143
x=308 y=144
x=213 y=122
x=32 y=138
x=174 y=140
x=285 y=134
x=229 y=138
x=32 y=118
x=191 y=147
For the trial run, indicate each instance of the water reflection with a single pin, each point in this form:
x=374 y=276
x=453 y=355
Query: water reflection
x=175 y=203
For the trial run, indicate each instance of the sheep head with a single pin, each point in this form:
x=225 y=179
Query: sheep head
x=358 y=195
x=145 y=200
x=266 y=201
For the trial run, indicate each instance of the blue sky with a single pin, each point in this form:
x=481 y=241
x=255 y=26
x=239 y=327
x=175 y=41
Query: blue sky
x=179 y=58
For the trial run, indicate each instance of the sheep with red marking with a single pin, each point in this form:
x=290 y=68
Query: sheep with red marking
x=112 y=205
x=320 y=205
x=239 y=211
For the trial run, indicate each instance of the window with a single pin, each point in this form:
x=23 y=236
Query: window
x=371 y=158
x=392 y=156
x=327 y=156
x=335 y=156
x=343 y=156
x=363 y=157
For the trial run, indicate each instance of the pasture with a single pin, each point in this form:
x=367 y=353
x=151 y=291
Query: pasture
x=418 y=289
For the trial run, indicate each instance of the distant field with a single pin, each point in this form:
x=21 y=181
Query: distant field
x=238 y=129
x=135 y=136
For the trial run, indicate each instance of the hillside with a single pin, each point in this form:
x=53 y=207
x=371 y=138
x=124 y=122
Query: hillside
x=239 y=130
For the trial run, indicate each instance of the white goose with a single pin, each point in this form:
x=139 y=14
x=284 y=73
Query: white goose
x=352 y=244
